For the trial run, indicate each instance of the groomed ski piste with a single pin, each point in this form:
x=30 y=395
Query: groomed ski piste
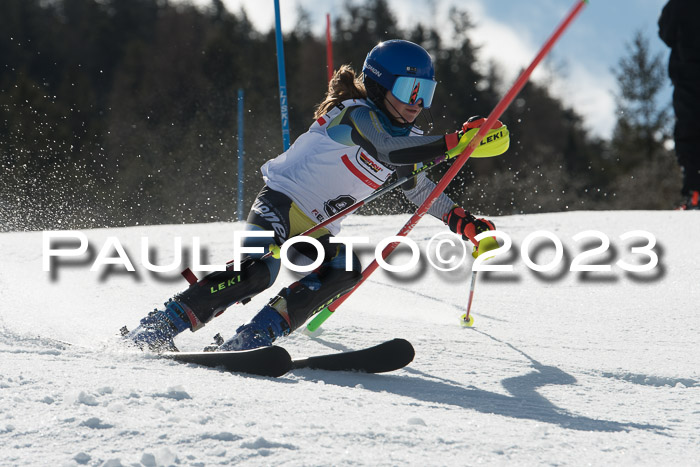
x=561 y=367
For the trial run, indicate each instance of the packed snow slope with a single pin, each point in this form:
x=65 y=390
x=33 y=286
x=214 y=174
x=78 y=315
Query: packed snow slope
x=561 y=368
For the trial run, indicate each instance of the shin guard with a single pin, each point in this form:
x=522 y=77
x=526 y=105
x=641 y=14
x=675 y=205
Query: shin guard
x=306 y=297
x=210 y=296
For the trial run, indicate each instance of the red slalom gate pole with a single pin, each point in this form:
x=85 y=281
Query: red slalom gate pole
x=459 y=162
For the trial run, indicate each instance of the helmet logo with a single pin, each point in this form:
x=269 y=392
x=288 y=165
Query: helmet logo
x=373 y=70
x=411 y=70
x=414 y=93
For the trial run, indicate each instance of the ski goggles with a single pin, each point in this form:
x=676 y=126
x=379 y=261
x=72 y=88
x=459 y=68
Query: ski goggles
x=410 y=90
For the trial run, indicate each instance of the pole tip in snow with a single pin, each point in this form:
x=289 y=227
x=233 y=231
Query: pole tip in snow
x=467 y=322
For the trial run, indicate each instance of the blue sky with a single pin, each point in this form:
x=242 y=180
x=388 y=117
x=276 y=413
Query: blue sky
x=512 y=31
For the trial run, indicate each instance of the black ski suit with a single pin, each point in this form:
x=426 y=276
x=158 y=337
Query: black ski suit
x=679 y=28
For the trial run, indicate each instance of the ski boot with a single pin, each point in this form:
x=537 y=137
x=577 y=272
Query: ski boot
x=267 y=326
x=156 y=331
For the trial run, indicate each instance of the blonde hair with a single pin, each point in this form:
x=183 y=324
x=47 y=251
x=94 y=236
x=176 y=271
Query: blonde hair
x=343 y=85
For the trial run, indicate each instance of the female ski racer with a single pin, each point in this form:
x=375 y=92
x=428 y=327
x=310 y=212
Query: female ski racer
x=363 y=132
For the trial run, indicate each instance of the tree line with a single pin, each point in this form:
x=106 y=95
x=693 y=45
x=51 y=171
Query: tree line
x=123 y=112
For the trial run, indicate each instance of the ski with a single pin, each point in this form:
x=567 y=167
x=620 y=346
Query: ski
x=387 y=356
x=275 y=361
x=266 y=361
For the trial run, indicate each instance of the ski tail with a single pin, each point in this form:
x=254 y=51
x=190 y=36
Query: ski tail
x=265 y=361
x=387 y=356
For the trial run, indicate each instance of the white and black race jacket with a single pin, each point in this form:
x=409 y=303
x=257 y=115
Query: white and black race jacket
x=345 y=156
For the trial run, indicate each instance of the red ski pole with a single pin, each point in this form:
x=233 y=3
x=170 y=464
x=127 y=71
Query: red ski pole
x=495 y=114
x=467 y=318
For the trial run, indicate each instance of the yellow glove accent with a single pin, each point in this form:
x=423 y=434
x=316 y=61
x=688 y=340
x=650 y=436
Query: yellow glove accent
x=495 y=143
x=485 y=244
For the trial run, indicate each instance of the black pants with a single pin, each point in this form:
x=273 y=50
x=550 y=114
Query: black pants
x=273 y=211
x=678 y=28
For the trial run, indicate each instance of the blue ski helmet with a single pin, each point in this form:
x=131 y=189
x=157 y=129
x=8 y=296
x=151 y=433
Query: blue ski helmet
x=404 y=68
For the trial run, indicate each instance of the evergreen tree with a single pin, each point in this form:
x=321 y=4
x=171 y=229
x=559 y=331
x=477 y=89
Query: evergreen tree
x=641 y=161
x=642 y=124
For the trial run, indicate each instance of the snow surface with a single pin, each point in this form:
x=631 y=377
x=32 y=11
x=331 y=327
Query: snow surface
x=562 y=368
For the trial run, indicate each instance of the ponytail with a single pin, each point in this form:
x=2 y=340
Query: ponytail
x=342 y=86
